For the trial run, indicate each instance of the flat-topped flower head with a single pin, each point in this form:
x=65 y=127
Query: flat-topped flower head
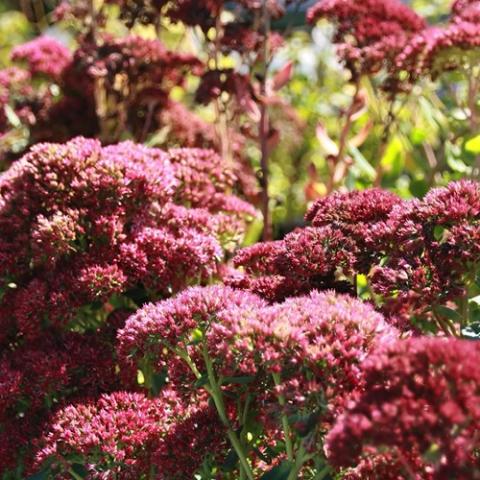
x=307 y=349
x=369 y=34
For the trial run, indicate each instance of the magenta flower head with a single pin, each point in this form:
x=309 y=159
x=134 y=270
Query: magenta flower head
x=44 y=55
x=419 y=411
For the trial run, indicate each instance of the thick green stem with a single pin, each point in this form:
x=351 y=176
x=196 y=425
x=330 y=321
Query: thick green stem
x=285 y=424
x=186 y=358
x=217 y=396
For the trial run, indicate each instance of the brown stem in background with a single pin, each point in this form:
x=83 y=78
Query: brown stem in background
x=432 y=162
x=220 y=110
x=264 y=129
x=34 y=10
x=338 y=167
x=472 y=101
x=99 y=90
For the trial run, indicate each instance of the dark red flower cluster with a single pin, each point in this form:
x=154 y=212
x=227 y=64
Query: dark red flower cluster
x=419 y=412
x=81 y=223
x=127 y=435
x=436 y=49
x=87 y=233
x=467 y=10
x=369 y=34
x=415 y=254
x=46 y=97
x=41 y=376
x=131 y=75
x=15 y=84
x=342 y=241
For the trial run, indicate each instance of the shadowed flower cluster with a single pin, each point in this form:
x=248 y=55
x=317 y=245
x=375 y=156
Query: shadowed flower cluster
x=418 y=414
x=128 y=435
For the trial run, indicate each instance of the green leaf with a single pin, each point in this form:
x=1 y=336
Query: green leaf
x=280 y=472
x=79 y=470
x=473 y=145
x=304 y=424
x=158 y=381
x=472 y=332
x=12 y=116
x=439 y=232
x=447 y=313
x=361 y=164
x=43 y=475
x=392 y=161
x=475 y=300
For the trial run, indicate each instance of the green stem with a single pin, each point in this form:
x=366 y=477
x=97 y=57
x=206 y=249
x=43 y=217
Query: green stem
x=285 y=424
x=74 y=475
x=464 y=312
x=322 y=473
x=186 y=358
x=217 y=396
x=301 y=458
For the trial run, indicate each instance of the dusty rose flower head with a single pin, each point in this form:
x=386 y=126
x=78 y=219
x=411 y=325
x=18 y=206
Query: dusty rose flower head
x=467 y=10
x=414 y=254
x=368 y=34
x=419 y=407
x=307 y=349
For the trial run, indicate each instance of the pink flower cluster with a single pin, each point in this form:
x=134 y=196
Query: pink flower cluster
x=439 y=49
x=56 y=369
x=415 y=254
x=369 y=34
x=418 y=415
x=136 y=74
x=44 y=55
x=88 y=234
x=127 y=435
x=306 y=350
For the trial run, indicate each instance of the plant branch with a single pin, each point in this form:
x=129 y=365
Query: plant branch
x=264 y=129
x=217 y=397
x=285 y=424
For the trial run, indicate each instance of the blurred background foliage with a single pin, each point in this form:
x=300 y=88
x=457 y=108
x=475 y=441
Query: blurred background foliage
x=431 y=141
